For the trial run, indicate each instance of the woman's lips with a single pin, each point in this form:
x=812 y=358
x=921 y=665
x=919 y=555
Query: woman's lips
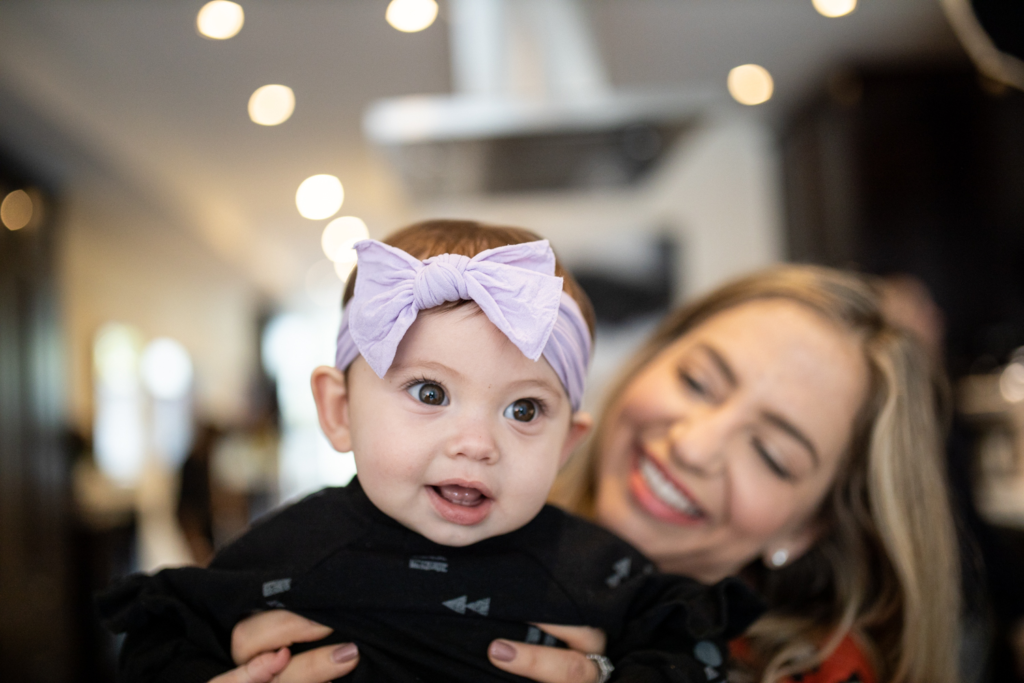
x=463 y=503
x=655 y=492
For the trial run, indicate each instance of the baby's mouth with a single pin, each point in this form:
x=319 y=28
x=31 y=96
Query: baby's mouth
x=460 y=495
x=461 y=502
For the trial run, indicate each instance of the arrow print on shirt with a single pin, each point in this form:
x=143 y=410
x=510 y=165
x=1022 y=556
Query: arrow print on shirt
x=461 y=604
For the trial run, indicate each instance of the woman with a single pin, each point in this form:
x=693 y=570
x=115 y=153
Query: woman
x=776 y=429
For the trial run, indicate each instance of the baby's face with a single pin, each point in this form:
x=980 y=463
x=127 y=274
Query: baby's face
x=462 y=438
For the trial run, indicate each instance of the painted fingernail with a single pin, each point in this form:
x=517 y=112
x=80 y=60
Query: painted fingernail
x=345 y=653
x=502 y=651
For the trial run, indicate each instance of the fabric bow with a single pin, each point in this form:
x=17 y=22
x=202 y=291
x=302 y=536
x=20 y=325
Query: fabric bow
x=514 y=286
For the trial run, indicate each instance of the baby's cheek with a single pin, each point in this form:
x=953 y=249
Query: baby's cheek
x=520 y=510
x=526 y=492
x=385 y=460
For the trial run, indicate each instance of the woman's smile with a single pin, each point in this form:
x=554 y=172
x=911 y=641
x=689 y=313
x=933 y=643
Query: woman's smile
x=660 y=495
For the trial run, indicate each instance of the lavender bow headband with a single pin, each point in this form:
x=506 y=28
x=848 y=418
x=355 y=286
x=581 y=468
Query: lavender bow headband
x=514 y=286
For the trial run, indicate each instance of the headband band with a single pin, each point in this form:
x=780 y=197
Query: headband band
x=514 y=286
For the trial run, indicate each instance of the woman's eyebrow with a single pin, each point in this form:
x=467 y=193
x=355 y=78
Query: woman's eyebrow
x=788 y=427
x=719 y=361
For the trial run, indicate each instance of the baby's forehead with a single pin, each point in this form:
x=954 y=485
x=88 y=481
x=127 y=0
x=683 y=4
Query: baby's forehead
x=462 y=307
x=462 y=342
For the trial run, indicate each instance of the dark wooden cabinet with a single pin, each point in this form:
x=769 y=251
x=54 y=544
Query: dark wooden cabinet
x=38 y=636
x=920 y=172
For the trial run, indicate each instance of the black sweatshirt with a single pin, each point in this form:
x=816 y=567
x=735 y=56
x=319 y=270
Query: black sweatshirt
x=420 y=611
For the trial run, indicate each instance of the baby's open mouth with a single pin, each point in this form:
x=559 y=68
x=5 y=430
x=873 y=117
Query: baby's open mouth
x=461 y=502
x=460 y=495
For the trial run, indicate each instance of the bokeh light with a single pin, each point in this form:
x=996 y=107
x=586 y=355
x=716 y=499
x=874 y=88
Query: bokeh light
x=118 y=433
x=322 y=286
x=340 y=235
x=1011 y=383
x=410 y=16
x=834 y=8
x=16 y=210
x=116 y=352
x=750 y=84
x=344 y=268
x=293 y=345
x=319 y=196
x=271 y=105
x=220 y=19
x=166 y=369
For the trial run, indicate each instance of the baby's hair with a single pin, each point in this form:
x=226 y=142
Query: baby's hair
x=468 y=238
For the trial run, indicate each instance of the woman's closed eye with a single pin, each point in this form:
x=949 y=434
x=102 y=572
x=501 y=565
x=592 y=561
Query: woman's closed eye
x=704 y=374
x=700 y=384
x=430 y=393
x=523 y=410
x=692 y=383
x=771 y=460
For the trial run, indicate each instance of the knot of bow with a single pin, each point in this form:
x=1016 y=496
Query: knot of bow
x=442 y=278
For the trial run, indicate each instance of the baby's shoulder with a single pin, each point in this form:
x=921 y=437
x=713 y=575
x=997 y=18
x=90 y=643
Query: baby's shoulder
x=581 y=552
x=573 y=530
x=299 y=533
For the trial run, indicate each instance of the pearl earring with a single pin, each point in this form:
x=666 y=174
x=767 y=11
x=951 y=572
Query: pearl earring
x=780 y=557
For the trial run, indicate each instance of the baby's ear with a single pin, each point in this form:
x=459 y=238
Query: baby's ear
x=331 y=394
x=579 y=427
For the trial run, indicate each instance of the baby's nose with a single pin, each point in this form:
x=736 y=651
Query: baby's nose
x=473 y=439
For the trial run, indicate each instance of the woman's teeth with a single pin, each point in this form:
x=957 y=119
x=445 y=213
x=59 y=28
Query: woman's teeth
x=460 y=495
x=665 y=490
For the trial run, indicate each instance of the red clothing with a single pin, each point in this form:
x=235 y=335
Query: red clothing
x=847 y=664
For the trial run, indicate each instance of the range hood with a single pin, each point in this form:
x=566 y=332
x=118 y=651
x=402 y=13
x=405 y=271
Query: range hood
x=533 y=109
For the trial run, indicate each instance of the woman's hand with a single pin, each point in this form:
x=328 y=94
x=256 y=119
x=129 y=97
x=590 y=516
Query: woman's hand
x=259 y=645
x=549 y=664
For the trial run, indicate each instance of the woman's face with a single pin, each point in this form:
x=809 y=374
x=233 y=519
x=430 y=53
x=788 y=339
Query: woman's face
x=721 y=449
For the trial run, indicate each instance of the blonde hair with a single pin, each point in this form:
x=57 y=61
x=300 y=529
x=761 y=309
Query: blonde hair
x=886 y=567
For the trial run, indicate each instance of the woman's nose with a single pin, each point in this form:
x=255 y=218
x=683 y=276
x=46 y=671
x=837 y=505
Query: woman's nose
x=697 y=442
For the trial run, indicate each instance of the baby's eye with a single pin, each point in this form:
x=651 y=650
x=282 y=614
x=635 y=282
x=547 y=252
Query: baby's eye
x=523 y=410
x=429 y=393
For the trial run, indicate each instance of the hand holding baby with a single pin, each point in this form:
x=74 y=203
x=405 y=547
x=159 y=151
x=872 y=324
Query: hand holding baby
x=259 y=645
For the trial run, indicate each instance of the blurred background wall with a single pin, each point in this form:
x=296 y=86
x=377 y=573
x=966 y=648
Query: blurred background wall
x=166 y=286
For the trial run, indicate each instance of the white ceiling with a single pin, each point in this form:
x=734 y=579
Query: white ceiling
x=130 y=86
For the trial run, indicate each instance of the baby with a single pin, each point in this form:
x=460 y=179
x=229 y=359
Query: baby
x=458 y=381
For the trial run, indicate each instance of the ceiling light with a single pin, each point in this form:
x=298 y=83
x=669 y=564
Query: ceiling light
x=16 y=210
x=750 y=84
x=220 y=19
x=271 y=105
x=410 y=16
x=319 y=196
x=340 y=235
x=834 y=8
